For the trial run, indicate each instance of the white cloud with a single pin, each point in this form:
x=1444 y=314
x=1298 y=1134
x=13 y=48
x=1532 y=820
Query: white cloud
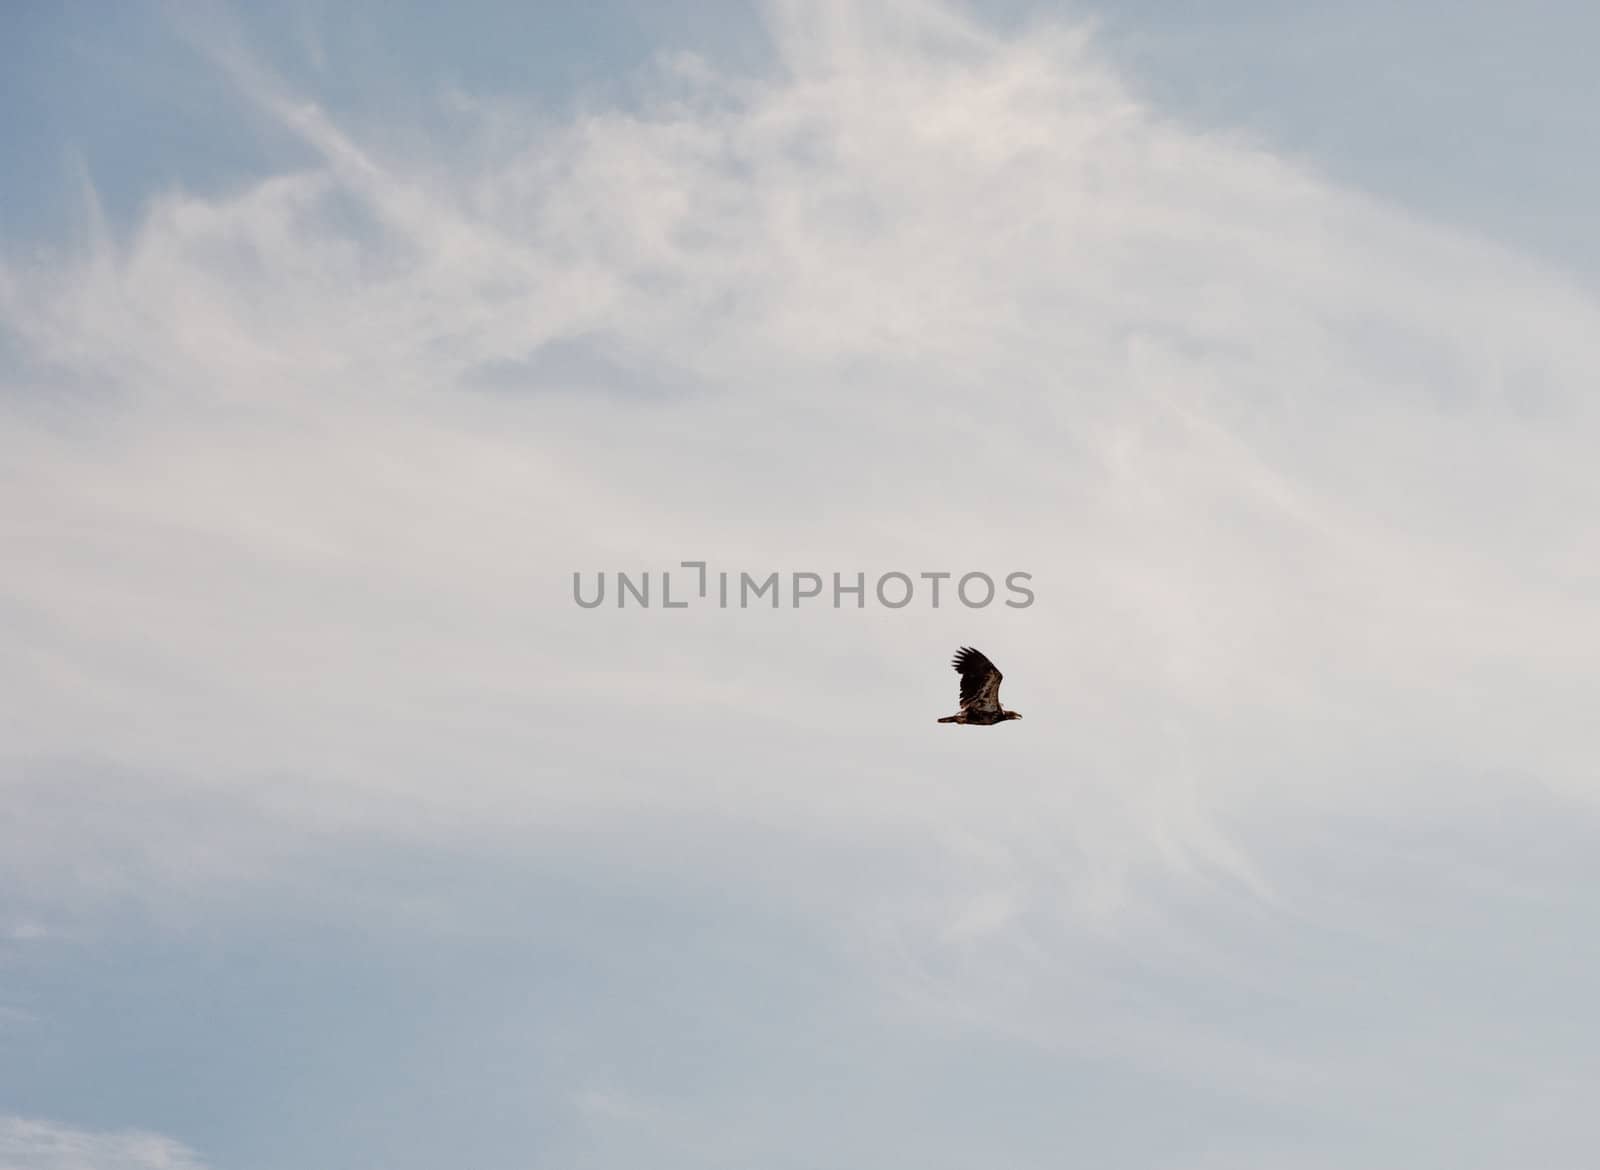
x=1235 y=422
x=31 y=1144
x=296 y=477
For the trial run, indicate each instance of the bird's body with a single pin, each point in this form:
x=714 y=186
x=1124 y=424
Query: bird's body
x=980 y=690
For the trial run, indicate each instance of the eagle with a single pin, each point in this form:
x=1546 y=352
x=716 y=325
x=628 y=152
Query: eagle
x=980 y=690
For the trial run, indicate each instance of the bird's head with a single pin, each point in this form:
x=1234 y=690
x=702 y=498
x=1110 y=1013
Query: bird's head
x=1013 y=714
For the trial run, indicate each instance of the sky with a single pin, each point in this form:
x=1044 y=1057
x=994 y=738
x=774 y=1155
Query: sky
x=334 y=340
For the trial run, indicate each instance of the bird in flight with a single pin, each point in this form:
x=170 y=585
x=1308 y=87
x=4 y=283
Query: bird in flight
x=980 y=690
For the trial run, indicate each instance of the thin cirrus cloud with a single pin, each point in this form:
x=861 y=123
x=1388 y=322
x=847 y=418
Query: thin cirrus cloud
x=30 y=1144
x=298 y=474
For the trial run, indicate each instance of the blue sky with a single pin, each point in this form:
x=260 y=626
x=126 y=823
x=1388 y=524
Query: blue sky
x=333 y=341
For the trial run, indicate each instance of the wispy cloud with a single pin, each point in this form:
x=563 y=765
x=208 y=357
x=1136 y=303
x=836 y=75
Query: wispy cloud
x=30 y=1144
x=296 y=476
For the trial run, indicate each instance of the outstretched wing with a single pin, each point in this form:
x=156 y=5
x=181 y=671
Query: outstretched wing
x=980 y=681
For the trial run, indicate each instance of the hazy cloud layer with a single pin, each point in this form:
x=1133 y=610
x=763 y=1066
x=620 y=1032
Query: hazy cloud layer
x=296 y=476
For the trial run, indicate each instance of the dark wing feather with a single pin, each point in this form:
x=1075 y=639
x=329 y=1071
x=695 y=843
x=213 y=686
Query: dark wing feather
x=980 y=681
